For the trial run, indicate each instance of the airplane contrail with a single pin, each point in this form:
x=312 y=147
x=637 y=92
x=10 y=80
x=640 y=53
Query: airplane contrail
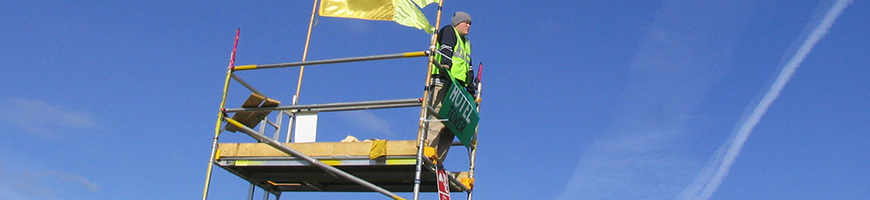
x=706 y=183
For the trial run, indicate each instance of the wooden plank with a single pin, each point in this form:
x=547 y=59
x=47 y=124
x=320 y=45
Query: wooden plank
x=271 y=103
x=258 y=116
x=253 y=101
x=317 y=149
x=245 y=117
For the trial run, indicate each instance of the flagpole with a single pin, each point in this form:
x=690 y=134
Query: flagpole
x=302 y=69
x=429 y=71
x=422 y=131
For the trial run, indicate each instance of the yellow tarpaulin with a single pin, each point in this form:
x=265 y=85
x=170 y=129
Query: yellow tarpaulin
x=379 y=148
x=403 y=12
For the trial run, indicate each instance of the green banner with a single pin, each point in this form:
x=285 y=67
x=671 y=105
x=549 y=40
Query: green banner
x=459 y=109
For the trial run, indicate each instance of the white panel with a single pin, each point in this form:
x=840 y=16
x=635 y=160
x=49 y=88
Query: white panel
x=306 y=127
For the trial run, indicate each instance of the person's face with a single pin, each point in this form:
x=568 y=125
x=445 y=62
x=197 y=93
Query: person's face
x=463 y=27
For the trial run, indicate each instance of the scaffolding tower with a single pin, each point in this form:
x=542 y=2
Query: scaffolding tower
x=300 y=163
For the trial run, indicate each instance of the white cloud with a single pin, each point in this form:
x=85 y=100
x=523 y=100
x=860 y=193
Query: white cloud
x=633 y=166
x=644 y=155
x=40 y=185
x=42 y=118
x=708 y=180
x=368 y=121
x=71 y=178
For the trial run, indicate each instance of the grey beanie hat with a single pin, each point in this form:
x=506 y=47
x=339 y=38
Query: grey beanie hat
x=460 y=17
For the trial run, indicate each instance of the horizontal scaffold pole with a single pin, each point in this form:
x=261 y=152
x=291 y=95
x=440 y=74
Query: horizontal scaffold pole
x=362 y=105
x=336 y=60
x=290 y=151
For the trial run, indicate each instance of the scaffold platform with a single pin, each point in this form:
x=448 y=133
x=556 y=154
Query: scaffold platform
x=276 y=172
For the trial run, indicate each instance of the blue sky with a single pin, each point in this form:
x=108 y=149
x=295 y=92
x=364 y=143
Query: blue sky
x=582 y=99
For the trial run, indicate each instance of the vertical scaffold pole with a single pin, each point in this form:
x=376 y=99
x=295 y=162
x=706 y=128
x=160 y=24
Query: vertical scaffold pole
x=473 y=152
x=217 y=128
x=423 y=126
x=301 y=71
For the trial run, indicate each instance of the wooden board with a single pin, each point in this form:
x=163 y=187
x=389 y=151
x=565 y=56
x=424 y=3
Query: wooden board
x=273 y=170
x=251 y=118
x=316 y=149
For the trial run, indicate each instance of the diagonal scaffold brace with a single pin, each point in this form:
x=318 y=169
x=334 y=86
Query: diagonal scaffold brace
x=290 y=151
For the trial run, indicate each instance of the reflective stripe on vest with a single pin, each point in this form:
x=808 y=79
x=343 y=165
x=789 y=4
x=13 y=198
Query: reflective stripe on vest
x=460 y=60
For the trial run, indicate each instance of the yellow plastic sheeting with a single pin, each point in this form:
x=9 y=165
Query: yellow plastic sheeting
x=403 y=12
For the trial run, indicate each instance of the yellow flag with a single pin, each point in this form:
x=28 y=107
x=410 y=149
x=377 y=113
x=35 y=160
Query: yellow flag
x=403 y=12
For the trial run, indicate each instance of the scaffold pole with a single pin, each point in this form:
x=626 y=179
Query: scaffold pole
x=423 y=126
x=337 y=106
x=301 y=72
x=217 y=128
x=333 y=61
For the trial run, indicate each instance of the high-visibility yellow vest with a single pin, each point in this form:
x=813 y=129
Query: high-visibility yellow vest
x=460 y=60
